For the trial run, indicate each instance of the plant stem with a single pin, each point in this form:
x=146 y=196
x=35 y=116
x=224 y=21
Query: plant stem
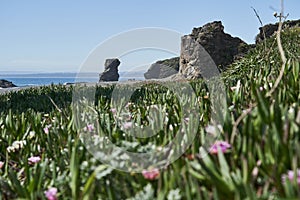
x=281 y=51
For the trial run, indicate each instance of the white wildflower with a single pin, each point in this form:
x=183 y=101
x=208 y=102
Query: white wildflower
x=16 y=145
x=31 y=135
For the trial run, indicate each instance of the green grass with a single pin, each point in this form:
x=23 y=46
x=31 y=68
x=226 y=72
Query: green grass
x=265 y=143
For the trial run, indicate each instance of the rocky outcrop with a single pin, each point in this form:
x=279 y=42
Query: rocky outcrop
x=163 y=68
x=111 y=70
x=6 y=84
x=208 y=45
x=270 y=29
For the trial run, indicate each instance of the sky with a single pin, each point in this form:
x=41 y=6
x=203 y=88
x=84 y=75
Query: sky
x=59 y=35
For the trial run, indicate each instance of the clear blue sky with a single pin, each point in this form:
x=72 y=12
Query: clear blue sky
x=57 y=35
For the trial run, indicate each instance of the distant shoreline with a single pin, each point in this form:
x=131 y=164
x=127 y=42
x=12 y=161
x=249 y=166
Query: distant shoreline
x=88 y=84
x=44 y=79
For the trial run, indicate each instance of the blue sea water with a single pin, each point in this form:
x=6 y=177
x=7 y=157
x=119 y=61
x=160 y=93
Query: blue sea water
x=22 y=80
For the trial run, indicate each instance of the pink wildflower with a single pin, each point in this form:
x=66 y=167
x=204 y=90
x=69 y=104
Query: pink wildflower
x=51 y=193
x=113 y=110
x=89 y=128
x=261 y=88
x=224 y=146
x=1 y=164
x=46 y=130
x=34 y=159
x=128 y=105
x=291 y=176
x=151 y=174
x=127 y=125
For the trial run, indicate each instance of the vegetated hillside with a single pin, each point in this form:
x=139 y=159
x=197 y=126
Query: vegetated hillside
x=257 y=72
x=172 y=62
x=265 y=56
x=257 y=154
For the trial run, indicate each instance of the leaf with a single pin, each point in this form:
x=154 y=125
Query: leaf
x=146 y=194
x=196 y=175
x=225 y=171
x=89 y=184
x=262 y=107
x=21 y=191
x=296 y=69
x=74 y=171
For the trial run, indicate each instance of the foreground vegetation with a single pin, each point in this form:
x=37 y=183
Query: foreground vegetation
x=42 y=157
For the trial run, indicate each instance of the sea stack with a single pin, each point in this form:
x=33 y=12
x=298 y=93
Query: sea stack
x=111 y=70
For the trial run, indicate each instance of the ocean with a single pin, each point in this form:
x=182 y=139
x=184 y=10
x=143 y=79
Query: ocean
x=39 y=79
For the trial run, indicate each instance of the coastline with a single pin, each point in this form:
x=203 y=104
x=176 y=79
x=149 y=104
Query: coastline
x=88 y=84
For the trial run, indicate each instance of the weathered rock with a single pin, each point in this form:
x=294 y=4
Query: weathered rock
x=111 y=70
x=208 y=45
x=6 y=84
x=270 y=29
x=163 y=68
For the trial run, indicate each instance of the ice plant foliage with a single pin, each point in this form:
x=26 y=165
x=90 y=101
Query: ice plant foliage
x=223 y=145
x=74 y=171
x=151 y=174
x=290 y=175
x=34 y=159
x=51 y=193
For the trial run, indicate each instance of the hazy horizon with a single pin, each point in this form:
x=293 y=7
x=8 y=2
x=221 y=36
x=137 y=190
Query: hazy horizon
x=58 y=72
